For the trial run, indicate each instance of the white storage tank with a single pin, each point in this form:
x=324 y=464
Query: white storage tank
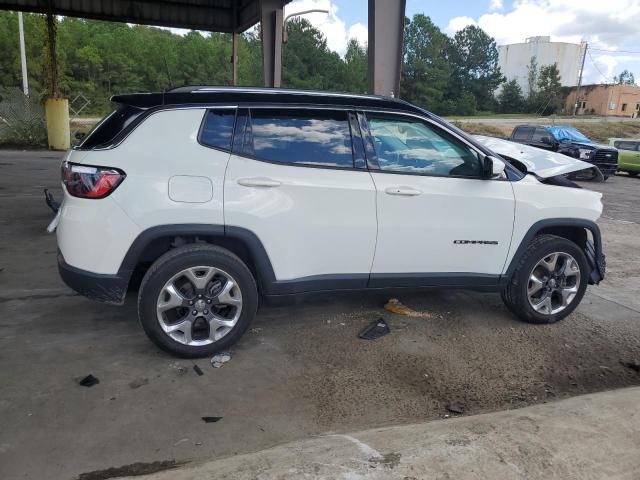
x=514 y=60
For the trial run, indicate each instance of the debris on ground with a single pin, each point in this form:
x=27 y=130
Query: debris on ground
x=138 y=382
x=198 y=370
x=634 y=365
x=375 y=330
x=51 y=202
x=211 y=419
x=132 y=470
x=179 y=368
x=255 y=330
x=455 y=408
x=395 y=306
x=220 y=359
x=89 y=381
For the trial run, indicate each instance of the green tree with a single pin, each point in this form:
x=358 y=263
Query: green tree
x=474 y=56
x=510 y=99
x=307 y=62
x=426 y=70
x=625 y=78
x=549 y=90
x=356 y=67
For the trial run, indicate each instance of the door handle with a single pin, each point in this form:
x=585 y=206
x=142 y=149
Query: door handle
x=259 y=182
x=403 y=191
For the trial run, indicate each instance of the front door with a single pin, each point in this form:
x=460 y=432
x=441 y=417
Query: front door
x=439 y=222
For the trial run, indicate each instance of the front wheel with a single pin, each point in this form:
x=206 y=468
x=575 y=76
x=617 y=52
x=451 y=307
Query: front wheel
x=549 y=281
x=197 y=300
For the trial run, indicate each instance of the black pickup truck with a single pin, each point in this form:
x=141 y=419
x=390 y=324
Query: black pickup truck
x=569 y=141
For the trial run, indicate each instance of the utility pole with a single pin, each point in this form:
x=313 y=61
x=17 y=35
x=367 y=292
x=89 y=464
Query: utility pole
x=584 y=56
x=23 y=56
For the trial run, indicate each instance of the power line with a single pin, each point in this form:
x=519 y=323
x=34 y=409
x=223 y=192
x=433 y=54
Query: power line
x=604 y=77
x=614 y=51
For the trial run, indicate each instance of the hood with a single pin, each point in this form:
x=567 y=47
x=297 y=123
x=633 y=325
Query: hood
x=541 y=163
x=592 y=145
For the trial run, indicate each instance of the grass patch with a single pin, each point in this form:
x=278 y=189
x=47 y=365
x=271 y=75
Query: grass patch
x=484 y=129
x=603 y=131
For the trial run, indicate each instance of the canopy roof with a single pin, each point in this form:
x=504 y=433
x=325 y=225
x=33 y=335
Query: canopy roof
x=209 y=15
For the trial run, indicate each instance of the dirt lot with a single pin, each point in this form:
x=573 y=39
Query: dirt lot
x=299 y=371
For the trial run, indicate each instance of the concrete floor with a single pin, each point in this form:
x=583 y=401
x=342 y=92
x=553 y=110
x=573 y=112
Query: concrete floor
x=299 y=371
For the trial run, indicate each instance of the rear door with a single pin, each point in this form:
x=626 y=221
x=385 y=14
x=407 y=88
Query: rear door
x=438 y=221
x=297 y=181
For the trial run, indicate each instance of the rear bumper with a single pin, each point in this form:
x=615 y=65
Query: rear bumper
x=96 y=286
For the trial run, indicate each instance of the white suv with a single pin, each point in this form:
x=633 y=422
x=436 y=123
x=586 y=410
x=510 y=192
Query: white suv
x=206 y=199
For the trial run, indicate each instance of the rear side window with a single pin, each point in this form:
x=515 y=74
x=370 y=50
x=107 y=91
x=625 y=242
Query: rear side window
x=539 y=134
x=217 y=129
x=306 y=137
x=523 y=133
x=105 y=132
x=626 y=145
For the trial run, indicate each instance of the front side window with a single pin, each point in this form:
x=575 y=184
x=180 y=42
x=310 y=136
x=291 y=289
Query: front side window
x=217 y=129
x=626 y=145
x=412 y=146
x=307 y=137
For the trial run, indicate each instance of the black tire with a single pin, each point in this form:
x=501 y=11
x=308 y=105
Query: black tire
x=182 y=258
x=515 y=294
x=633 y=174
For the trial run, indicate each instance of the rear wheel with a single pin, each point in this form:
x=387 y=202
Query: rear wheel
x=549 y=281
x=197 y=300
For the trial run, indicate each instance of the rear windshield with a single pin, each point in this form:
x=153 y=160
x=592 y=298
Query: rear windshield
x=103 y=134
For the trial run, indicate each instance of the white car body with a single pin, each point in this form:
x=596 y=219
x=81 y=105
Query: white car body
x=317 y=227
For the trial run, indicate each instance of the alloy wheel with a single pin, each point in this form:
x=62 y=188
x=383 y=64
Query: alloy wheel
x=553 y=283
x=199 y=305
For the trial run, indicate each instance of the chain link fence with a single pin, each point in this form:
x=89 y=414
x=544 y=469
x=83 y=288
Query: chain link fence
x=22 y=120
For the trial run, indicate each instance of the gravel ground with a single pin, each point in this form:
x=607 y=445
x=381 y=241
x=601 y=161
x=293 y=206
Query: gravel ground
x=299 y=371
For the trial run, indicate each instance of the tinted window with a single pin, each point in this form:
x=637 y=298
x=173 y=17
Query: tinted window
x=404 y=145
x=626 y=145
x=110 y=126
x=310 y=137
x=539 y=134
x=523 y=133
x=218 y=128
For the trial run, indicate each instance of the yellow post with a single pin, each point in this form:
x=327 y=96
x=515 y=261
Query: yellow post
x=57 y=112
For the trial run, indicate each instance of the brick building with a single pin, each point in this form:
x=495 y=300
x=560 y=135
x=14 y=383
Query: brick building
x=606 y=100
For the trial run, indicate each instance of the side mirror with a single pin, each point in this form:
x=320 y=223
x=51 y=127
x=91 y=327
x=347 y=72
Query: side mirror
x=546 y=140
x=80 y=135
x=492 y=167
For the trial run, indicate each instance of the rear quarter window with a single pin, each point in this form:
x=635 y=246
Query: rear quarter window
x=105 y=132
x=217 y=128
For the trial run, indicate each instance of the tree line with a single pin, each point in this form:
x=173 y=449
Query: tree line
x=447 y=75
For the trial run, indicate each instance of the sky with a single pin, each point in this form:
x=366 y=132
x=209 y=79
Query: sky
x=611 y=27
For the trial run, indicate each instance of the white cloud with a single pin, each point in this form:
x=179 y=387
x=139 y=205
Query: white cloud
x=458 y=23
x=606 y=25
x=496 y=5
x=360 y=32
x=333 y=28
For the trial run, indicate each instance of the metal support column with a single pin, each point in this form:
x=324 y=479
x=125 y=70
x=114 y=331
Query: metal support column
x=271 y=23
x=386 y=34
x=234 y=59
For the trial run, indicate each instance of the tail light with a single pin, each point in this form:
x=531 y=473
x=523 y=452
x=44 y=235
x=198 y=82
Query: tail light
x=86 y=181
